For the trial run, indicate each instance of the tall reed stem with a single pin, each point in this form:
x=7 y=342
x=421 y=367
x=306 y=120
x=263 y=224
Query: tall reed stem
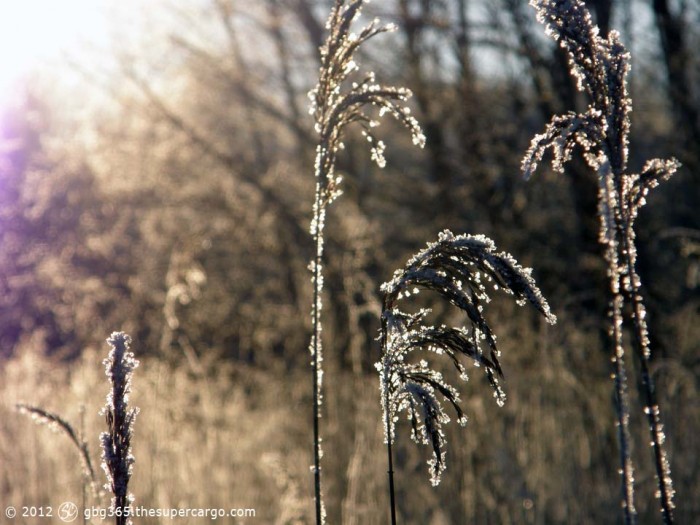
x=600 y=66
x=651 y=406
x=621 y=390
x=342 y=96
x=392 y=497
x=316 y=351
x=387 y=421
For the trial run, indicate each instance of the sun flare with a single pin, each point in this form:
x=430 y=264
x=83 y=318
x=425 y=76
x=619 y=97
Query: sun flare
x=33 y=32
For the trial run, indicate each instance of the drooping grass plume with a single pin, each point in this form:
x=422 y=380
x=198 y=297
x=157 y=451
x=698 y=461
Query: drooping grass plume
x=117 y=459
x=58 y=424
x=343 y=96
x=461 y=269
x=600 y=66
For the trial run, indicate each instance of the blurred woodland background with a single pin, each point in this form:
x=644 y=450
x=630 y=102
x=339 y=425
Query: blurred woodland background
x=163 y=186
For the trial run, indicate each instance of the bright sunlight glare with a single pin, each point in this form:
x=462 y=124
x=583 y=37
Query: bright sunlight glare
x=33 y=32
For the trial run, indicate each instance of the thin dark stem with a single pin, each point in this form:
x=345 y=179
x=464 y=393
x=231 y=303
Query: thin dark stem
x=387 y=416
x=655 y=428
x=651 y=404
x=391 y=476
x=83 y=448
x=621 y=393
x=315 y=365
x=622 y=409
x=121 y=503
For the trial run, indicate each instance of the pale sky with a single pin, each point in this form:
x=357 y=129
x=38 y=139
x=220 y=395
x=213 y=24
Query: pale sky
x=33 y=32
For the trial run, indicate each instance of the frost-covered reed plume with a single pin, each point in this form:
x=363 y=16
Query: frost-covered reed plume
x=117 y=459
x=600 y=66
x=461 y=269
x=343 y=96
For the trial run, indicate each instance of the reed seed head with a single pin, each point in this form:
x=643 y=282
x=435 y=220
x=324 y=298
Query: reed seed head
x=462 y=269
